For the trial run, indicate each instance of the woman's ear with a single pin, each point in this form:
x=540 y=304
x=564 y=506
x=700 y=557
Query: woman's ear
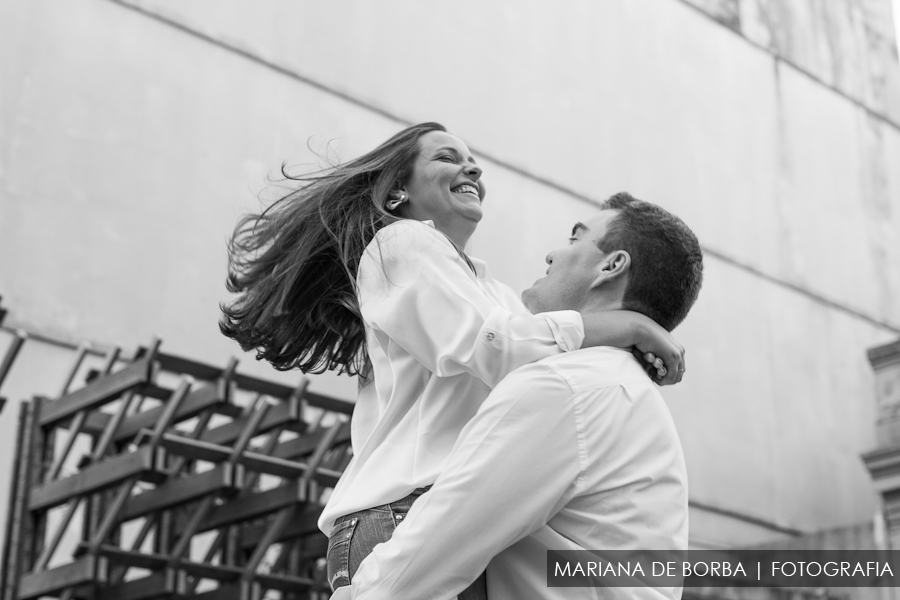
x=396 y=197
x=614 y=266
x=397 y=189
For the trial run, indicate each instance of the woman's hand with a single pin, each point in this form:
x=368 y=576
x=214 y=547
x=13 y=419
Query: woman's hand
x=655 y=348
x=661 y=355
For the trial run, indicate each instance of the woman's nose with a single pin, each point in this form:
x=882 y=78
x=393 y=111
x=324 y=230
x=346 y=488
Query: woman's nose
x=473 y=171
x=549 y=259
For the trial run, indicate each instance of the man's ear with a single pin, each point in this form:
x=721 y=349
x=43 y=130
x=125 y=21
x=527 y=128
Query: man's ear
x=613 y=267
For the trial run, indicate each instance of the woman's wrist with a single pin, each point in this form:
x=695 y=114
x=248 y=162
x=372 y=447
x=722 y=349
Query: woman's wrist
x=642 y=326
x=619 y=328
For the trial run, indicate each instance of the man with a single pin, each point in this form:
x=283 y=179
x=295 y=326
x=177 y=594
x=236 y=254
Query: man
x=576 y=451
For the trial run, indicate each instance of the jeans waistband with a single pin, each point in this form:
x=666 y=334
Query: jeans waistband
x=403 y=503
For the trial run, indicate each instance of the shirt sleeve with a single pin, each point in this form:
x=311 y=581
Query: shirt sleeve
x=514 y=466
x=417 y=290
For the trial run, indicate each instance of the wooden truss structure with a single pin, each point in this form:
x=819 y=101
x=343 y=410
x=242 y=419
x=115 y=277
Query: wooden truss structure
x=165 y=477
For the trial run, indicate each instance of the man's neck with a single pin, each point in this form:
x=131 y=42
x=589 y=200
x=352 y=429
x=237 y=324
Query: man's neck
x=596 y=303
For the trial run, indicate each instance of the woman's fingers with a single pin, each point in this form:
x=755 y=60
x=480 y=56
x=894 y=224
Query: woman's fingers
x=681 y=369
x=675 y=367
x=665 y=372
x=647 y=360
x=655 y=366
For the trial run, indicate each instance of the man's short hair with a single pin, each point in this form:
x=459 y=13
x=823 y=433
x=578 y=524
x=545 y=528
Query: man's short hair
x=666 y=260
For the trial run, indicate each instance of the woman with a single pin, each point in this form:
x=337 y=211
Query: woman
x=363 y=270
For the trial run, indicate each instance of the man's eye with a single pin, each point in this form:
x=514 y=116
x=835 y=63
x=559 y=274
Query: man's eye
x=573 y=239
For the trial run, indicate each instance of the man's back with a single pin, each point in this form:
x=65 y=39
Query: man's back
x=631 y=490
x=574 y=452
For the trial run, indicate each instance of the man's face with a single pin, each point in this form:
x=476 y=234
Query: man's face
x=572 y=269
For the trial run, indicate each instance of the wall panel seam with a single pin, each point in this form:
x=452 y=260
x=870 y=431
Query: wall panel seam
x=717 y=254
x=802 y=70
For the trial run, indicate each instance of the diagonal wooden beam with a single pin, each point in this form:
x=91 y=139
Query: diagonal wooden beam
x=93 y=479
x=11 y=353
x=224 y=592
x=97 y=392
x=118 y=573
x=312 y=466
x=80 y=355
x=275 y=526
x=160 y=584
x=284 y=583
x=254 y=461
x=182 y=490
x=199 y=400
x=305 y=522
x=253 y=506
x=111 y=514
x=87 y=569
x=183 y=546
x=78 y=422
x=306 y=444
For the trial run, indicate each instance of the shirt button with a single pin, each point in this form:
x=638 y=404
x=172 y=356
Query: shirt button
x=490 y=336
x=399 y=517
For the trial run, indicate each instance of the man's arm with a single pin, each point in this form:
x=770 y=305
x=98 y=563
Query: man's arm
x=513 y=467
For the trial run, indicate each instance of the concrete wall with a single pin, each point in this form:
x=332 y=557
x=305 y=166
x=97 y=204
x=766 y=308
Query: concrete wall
x=848 y=45
x=133 y=135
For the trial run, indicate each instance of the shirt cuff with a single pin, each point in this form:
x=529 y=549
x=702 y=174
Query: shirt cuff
x=567 y=327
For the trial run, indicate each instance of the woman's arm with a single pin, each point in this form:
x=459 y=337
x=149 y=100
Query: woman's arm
x=416 y=291
x=655 y=347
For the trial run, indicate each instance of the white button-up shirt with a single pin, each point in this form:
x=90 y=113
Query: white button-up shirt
x=575 y=452
x=439 y=336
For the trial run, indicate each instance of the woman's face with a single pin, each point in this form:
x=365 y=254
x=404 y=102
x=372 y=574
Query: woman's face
x=444 y=186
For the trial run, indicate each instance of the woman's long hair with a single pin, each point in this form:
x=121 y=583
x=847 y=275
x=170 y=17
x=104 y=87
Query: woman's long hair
x=294 y=265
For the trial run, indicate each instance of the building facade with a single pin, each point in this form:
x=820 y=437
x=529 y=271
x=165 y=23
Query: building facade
x=134 y=133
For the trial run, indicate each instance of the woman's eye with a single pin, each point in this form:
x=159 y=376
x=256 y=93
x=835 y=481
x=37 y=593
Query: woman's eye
x=573 y=239
x=447 y=158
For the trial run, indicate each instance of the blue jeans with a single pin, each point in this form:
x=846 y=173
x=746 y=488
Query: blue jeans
x=355 y=535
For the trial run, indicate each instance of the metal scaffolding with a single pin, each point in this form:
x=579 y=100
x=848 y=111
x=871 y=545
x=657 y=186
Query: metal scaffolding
x=163 y=477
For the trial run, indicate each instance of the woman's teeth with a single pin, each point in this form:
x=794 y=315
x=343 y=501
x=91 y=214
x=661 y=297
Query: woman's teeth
x=466 y=189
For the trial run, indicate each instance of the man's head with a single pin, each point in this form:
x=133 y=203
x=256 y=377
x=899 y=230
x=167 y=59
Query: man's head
x=633 y=255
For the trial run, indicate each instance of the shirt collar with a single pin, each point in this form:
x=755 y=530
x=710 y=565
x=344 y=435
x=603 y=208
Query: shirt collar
x=480 y=267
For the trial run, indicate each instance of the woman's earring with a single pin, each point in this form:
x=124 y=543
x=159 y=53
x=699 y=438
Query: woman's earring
x=392 y=204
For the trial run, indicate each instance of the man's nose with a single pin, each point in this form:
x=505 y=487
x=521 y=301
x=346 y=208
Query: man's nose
x=549 y=258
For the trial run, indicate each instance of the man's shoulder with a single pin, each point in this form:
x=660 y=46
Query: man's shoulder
x=576 y=376
x=537 y=374
x=594 y=368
